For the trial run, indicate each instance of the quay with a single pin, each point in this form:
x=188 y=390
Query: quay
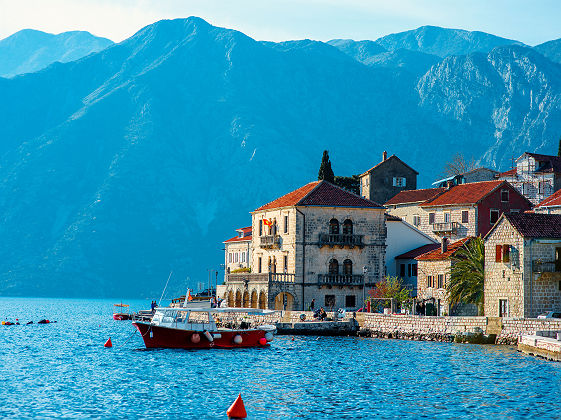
x=345 y=327
x=544 y=344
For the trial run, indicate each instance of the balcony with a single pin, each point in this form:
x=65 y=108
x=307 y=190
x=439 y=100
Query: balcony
x=340 y=239
x=448 y=227
x=539 y=266
x=260 y=278
x=269 y=241
x=341 y=279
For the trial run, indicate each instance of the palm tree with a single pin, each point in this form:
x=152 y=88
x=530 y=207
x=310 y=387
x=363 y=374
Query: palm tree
x=467 y=273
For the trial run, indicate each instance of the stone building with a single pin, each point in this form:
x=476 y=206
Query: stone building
x=406 y=204
x=433 y=275
x=237 y=253
x=475 y=175
x=523 y=265
x=551 y=205
x=318 y=242
x=535 y=176
x=387 y=178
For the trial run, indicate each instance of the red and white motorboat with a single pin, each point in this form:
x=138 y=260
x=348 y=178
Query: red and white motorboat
x=120 y=313
x=199 y=328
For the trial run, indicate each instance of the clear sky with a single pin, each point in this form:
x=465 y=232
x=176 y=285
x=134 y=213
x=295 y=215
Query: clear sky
x=529 y=21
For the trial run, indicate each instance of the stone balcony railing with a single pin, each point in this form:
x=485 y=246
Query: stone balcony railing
x=269 y=241
x=540 y=266
x=340 y=239
x=447 y=227
x=260 y=277
x=341 y=279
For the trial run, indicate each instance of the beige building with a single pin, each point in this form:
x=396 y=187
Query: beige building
x=523 y=266
x=407 y=205
x=237 y=255
x=318 y=242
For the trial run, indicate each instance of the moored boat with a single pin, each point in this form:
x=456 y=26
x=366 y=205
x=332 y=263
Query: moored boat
x=197 y=328
x=119 y=312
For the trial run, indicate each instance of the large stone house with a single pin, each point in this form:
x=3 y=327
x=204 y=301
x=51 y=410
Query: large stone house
x=406 y=204
x=433 y=275
x=535 y=176
x=318 y=242
x=523 y=265
x=237 y=253
x=387 y=178
x=551 y=205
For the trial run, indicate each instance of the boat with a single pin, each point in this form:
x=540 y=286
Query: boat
x=204 y=328
x=119 y=313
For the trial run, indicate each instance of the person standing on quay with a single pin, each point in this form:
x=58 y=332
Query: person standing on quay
x=312 y=304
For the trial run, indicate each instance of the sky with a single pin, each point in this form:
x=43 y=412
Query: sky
x=529 y=21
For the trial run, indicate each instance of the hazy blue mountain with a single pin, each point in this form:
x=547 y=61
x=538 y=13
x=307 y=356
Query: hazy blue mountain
x=29 y=50
x=443 y=41
x=551 y=49
x=362 y=51
x=126 y=164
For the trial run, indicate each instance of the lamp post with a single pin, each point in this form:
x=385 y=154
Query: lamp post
x=365 y=273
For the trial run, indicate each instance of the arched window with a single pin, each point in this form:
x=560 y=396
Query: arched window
x=347 y=227
x=334 y=227
x=348 y=267
x=333 y=266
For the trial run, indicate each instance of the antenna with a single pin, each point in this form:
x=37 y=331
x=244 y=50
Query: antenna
x=166 y=286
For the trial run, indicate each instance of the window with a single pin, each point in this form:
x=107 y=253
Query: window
x=398 y=181
x=329 y=301
x=236 y=257
x=260 y=227
x=498 y=253
x=334 y=227
x=415 y=273
x=409 y=270
x=441 y=281
x=431 y=218
x=285 y=263
x=333 y=266
x=350 y=301
x=504 y=196
x=503 y=307
x=416 y=220
x=465 y=216
x=514 y=211
x=506 y=253
x=229 y=257
x=429 y=281
x=402 y=270
x=347 y=227
x=446 y=217
x=347 y=267
x=494 y=216
x=243 y=257
x=285 y=224
x=259 y=265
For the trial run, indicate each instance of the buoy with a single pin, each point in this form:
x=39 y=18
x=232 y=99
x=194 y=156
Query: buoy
x=208 y=336
x=237 y=409
x=108 y=343
x=263 y=341
x=292 y=339
x=238 y=339
x=269 y=336
x=195 y=338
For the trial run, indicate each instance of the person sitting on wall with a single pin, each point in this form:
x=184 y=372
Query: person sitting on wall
x=322 y=314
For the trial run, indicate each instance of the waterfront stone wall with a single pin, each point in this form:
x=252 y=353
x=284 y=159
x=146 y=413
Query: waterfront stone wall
x=513 y=328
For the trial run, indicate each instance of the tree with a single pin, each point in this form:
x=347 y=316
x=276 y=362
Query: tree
x=325 y=171
x=391 y=287
x=467 y=273
x=559 y=149
x=349 y=183
x=458 y=165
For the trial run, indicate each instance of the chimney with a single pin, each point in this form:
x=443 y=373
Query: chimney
x=384 y=156
x=449 y=184
x=444 y=245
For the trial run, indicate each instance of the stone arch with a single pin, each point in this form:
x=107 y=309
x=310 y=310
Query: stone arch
x=284 y=301
x=231 y=301
x=334 y=226
x=262 y=300
x=238 y=302
x=254 y=299
x=333 y=266
x=348 y=227
x=245 y=300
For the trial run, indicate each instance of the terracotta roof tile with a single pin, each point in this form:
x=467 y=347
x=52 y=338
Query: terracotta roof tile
x=470 y=193
x=414 y=253
x=437 y=255
x=536 y=225
x=553 y=200
x=414 y=196
x=238 y=239
x=510 y=172
x=320 y=193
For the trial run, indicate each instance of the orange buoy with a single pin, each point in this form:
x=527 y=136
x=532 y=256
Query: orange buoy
x=237 y=409
x=108 y=343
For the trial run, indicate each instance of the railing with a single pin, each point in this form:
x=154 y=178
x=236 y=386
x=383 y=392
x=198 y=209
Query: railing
x=269 y=241
x=341 y=279
x=261 y=277
x=539 y=266
x=340 y=239
x=281 y=277
x=445 y=227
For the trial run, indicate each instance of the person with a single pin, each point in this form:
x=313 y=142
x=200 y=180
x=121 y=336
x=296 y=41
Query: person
x=213 y=302
x=312 y=304
x=322 y=314
x=153 y=306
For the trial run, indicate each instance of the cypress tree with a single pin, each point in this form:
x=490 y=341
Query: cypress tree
x=325 y=171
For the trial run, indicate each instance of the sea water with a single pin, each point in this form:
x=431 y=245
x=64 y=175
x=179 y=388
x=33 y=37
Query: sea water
x=62 y=370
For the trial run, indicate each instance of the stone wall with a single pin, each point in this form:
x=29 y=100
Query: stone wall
x=513 y=328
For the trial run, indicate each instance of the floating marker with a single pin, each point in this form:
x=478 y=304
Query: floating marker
x=237 y=409
x=108 y=343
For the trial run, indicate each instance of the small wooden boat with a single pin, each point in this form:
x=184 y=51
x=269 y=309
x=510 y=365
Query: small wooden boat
x=119 y=312
x=197 y=328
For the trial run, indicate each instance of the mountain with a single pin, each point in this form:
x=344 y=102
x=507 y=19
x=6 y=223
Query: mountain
x=551 y=49
x=29 y=50
x=362 y=51
x=443 y=41
x=126 y=164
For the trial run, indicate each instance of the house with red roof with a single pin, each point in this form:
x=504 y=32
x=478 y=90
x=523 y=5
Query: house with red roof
x=535 y=176
x=523 y=265
x=317 y=242
x=406 y=204
x=237 y=251
x=551 y=205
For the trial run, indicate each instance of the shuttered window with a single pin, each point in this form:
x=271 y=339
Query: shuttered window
x=498 y=253
x=506 y=253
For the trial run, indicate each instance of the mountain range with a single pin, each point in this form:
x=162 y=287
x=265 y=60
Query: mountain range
x=140 y=159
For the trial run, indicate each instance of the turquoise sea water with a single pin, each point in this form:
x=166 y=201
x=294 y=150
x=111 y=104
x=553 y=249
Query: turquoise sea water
x=63 y=370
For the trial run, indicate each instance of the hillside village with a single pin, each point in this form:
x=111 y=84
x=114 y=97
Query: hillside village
x=322 y=245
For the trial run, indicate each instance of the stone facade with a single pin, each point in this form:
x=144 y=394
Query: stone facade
x=237 y=251
x=438 y=271
x=528 y=281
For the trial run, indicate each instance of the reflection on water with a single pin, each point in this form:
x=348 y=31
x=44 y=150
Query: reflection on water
x=63 y=369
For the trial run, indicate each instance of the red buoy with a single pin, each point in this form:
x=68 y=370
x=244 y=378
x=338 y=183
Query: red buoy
x=108 y=343
x=263 y=341
x=237 y=409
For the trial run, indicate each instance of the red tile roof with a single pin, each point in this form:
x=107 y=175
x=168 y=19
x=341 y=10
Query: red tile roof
x=414 y=196
x=553 y=200
x=510 y=172
x=384 y=161
x=245 y=229
x=437 y=255
x=414 y=253
x=392 y=218
x=536 y=225
x=471 y=193
x=238 y=239
x=320 y=193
